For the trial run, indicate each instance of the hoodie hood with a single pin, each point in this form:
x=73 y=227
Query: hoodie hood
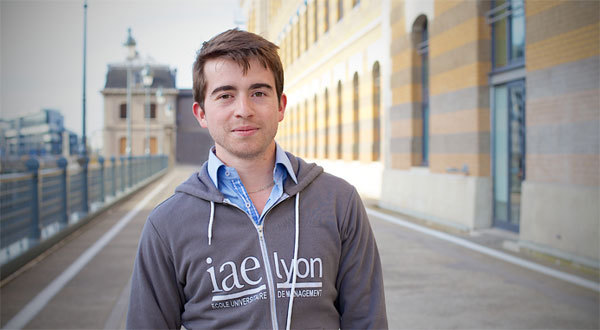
x=201 y=186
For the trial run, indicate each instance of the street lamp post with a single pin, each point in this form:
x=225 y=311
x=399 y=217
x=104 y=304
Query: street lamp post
x=147 y=80
x=131 y=54
x=84 y=159
x=160 y=100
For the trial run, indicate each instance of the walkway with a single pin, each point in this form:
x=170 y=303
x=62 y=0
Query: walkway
x=430 y=282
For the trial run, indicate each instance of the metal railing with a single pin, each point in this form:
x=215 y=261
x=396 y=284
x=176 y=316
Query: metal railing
x=36 y=205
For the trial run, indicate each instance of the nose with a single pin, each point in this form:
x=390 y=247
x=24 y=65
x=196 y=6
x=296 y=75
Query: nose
x=244 y=107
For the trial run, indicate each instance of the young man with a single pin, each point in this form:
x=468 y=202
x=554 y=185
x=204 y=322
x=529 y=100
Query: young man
x=257 y=238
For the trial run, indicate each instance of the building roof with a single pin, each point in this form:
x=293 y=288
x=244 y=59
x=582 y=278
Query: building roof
x=116 y=77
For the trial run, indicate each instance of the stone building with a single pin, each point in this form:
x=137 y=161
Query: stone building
x=469 y=114
x=161 y=112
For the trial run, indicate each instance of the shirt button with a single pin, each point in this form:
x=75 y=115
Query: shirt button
x=227 y=173
x=247 y=204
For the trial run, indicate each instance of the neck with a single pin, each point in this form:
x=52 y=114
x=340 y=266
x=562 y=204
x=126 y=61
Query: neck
x=254 y=172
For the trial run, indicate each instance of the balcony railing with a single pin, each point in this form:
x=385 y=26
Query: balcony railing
x=43 y=205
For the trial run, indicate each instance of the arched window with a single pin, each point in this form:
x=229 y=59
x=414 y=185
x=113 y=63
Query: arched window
x=316 y=19
x=355 y=116
x=306 y=30
x=295 y=130
x=326 y=129
x=339 y=120
x=423 y=50
x=376 y=110
x=298 y=38
x=315 y=127
x=326 y=11
x=298 y=129
x=306 y=135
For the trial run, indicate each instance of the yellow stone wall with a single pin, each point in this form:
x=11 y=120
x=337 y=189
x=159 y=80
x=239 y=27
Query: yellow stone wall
x=315 y=60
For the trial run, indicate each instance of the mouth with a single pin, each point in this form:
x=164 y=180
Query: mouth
x=245 y=130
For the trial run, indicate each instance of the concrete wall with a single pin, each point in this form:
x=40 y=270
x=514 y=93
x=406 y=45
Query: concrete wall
x=562 y=219
x=452 y=200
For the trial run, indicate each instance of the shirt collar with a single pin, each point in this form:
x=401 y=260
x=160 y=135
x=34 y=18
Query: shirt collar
x=214 y=163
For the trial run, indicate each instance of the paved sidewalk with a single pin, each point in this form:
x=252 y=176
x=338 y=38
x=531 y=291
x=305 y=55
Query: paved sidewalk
x=430 y=283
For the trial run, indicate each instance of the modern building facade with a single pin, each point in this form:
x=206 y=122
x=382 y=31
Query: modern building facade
x=40 y=133
x=160 y=128
x=470 y=114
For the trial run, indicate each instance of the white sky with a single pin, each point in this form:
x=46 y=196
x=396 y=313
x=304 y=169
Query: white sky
x=41 y=48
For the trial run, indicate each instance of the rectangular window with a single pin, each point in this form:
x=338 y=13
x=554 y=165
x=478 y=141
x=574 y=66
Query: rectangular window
x=122 y=146
x=507 y=18
x=123 y=111
x=153 y=111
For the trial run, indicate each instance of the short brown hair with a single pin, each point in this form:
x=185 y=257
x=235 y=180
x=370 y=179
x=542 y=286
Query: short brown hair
x=241 y=47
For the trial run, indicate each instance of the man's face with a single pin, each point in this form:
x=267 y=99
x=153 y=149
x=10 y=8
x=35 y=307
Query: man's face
x=240 y=111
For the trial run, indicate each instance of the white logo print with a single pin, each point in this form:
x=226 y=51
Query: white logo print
x=235 y=286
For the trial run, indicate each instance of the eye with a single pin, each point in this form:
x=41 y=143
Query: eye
x=259 y=94
x=224 y=97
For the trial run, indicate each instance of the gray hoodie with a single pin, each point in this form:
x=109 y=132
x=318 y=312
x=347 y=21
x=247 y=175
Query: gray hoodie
x=203 y=263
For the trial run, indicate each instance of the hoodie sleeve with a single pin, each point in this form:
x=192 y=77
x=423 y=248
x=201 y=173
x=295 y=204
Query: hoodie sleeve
x=156 y=300
x=361 y=300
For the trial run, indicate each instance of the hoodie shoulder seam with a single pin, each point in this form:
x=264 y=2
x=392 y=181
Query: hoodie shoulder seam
x=161 y=239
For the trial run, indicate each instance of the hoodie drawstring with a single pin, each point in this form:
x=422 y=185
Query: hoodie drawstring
x=295 y=263
x=210 y=222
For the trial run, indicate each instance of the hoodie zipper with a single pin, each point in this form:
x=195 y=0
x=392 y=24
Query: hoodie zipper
x=263 y=247
x=265 y=255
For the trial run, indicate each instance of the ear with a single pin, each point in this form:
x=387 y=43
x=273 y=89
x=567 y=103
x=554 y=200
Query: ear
x=282 y=105
x=199 y=114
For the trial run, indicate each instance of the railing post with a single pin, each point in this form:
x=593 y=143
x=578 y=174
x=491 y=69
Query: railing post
x=64 y=217
x=114 y=179
x=101 y=162
x=83 y=162
x=130 y=165
x=33 y=166
x=122 y=174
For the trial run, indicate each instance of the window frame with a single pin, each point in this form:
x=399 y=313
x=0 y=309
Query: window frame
x=492 y=17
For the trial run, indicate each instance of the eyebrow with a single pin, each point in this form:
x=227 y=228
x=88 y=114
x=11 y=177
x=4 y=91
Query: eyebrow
x=222 y=88
x=230 y=88
x=261 y=85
